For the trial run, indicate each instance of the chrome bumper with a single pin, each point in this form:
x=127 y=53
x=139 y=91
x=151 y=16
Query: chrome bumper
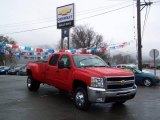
x=101 y=95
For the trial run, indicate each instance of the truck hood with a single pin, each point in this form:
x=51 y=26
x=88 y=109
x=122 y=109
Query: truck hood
x=106 y=72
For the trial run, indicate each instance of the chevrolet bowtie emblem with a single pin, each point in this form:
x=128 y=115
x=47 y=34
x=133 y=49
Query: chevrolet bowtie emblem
x=64 y=11
x=123 y=82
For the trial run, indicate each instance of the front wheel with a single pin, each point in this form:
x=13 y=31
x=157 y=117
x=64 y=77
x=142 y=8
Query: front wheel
x=147 y=82
x=81 y=99
x=32 y=84
x=6 y=72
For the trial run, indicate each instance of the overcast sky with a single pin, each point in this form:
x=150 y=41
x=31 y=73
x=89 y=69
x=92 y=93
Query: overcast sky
x=115 y=27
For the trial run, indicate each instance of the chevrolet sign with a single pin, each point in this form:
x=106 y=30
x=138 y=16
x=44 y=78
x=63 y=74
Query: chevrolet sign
x=65 y=16
x=64 y=11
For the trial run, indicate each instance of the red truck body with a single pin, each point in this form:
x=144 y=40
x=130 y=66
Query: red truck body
x=73 y=76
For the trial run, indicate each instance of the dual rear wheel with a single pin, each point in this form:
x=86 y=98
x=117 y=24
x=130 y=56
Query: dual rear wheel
x=32 y=84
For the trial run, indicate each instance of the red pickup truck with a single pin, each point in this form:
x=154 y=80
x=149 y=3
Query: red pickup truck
x=87 y=76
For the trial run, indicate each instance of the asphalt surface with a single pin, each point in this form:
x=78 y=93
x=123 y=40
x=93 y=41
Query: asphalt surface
x=17 y=103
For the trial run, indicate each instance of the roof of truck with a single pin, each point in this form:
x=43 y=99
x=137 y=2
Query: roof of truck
x=69 y=53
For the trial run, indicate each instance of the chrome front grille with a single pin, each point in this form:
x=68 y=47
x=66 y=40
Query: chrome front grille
x=119 y=82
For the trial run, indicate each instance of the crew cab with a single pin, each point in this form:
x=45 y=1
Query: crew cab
x=86 y=76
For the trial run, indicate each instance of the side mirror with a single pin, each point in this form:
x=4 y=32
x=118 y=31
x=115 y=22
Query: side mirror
x=60 y=64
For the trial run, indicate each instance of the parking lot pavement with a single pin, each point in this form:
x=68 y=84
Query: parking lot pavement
x=17 y=103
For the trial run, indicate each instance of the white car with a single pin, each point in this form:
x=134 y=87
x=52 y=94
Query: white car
x=126 y=66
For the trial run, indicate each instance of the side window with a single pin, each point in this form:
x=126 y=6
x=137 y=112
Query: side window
x=118 y=66
x=54 y=59
x=66 y=60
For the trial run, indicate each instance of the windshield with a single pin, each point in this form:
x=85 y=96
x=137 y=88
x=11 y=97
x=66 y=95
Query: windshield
x=88 y=61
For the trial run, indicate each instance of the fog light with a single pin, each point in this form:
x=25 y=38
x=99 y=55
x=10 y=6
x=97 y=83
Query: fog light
x=100 y=100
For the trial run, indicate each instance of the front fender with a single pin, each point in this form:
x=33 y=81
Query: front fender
x=84 y=77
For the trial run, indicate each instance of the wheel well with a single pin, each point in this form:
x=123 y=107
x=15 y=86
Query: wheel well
x=147 y=78
x=29 y=72
x=79 y=83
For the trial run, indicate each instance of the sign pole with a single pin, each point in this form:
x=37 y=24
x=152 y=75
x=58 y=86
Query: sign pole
x=154 y=62
x=154 y=53
x=61 y=39
x=65 y=20
x=68 y=37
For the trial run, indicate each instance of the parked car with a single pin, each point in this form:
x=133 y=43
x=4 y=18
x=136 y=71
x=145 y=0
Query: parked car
x=144 y=78
x=87 y=76
x=158 y=67
x=14 y=70
x=22 y=71
x=4 y=70
x=7 y=68
x=126 y=66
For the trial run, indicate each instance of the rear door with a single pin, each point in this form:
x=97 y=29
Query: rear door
x=64 y=76
x=51 y=69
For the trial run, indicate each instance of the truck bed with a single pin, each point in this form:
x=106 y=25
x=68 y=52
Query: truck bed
x=38 y=69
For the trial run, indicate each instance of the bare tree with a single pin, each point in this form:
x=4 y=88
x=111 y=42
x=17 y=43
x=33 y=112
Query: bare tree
x=6 y=58
x=123 y=59
x=85 y=37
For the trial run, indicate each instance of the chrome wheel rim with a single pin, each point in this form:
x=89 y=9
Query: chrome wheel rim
x=147 y=82
x=29 y=82
x=79 y=98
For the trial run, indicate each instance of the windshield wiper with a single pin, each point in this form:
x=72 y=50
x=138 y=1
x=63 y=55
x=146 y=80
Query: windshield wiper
x=101 y=66
x=87 y=66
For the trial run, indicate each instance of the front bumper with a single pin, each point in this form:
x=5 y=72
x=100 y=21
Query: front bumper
x=103 y=95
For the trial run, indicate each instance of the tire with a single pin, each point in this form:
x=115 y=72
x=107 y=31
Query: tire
x=147 y=82
x=81 y=99
x=17 y=73
x=6 y=73
x=32 y=84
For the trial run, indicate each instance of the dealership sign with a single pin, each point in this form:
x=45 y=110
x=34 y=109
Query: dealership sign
x=65 y=16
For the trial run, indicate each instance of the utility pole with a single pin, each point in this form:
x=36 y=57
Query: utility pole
x=139 y=35
x=139 y=30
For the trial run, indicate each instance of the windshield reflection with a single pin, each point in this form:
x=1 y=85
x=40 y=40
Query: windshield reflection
x=88 y=61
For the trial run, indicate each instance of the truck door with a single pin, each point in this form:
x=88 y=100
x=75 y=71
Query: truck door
x=51 y=69
x=64 y=76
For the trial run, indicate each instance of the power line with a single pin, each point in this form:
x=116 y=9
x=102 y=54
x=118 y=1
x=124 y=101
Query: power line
x=101 y=8
x=50 y=19
x=145 y=20
x=107 y=12
x=32 y=29
x=24 y=22
x=77 y=20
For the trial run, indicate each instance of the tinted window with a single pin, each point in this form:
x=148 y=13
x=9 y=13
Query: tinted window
x=66 y=60
x=54 y=59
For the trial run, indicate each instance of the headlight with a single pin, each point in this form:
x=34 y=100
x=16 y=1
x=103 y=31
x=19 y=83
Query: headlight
x=97 y=82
